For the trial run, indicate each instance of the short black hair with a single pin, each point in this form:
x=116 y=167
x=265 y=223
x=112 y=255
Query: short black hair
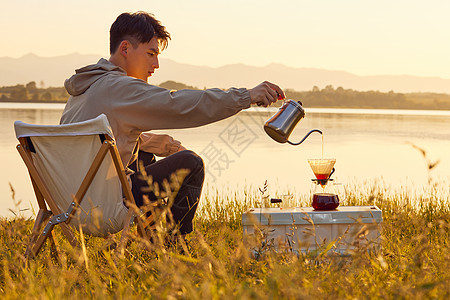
x=139 y=27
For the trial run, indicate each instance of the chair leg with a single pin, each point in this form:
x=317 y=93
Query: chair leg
x=53 y=250
x=38 y=240
x=42 y=217
x=141 y=228
x=69 y=234
x=125 y=231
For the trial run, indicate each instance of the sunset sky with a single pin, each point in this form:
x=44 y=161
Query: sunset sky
x=358 y=36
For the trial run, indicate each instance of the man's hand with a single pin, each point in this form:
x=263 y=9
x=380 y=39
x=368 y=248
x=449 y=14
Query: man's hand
x=266 y=93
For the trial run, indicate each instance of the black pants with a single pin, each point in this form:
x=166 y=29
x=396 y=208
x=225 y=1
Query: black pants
x=186 y=200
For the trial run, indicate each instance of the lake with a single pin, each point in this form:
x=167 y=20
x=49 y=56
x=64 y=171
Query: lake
x=369 y=146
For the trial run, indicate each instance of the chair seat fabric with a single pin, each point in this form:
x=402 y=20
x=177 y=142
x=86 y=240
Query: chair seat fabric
x=63 y=154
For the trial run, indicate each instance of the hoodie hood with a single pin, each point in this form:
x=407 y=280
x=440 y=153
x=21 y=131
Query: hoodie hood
x=85 y=77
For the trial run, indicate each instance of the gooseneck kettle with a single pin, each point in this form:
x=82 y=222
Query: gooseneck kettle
x=280 y=126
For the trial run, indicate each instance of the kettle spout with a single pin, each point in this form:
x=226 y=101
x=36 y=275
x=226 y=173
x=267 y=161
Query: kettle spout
x=304 y=138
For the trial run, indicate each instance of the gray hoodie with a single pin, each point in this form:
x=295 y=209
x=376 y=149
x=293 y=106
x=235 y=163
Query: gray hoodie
x=133 y=106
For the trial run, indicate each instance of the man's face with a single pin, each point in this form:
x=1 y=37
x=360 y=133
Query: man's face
x=143 y=61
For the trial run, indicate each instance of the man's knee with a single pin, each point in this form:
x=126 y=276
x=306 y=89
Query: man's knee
x=194 y=163
x=192 y=160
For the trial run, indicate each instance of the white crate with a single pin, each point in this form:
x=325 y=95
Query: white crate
x=306 y=229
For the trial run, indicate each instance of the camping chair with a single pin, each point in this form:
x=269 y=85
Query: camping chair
x=76 y=171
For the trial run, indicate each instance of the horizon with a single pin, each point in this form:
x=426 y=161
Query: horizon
x=366 y=39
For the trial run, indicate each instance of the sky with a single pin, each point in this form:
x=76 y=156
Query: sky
x=364 y=37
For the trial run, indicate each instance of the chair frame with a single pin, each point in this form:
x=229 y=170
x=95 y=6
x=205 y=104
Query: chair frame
x=53 y=216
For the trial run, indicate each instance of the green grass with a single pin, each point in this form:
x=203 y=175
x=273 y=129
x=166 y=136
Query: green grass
x=414 y=262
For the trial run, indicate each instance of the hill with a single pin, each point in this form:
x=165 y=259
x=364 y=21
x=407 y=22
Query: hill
x=52 y=71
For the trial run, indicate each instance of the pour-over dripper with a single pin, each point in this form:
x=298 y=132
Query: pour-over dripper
x=324 y=196
x=322 y=167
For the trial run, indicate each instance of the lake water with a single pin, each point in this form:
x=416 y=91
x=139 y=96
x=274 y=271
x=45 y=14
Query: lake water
x=369 y=146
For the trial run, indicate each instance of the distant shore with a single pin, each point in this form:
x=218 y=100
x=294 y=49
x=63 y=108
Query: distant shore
x=328 y=97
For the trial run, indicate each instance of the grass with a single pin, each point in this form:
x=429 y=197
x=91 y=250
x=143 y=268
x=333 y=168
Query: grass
x=414 y=262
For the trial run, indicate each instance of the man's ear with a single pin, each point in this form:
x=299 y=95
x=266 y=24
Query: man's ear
x=123 y=48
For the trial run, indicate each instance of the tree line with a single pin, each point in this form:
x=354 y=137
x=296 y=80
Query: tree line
x=348 y=98
x=326 y=97
x=30 y=92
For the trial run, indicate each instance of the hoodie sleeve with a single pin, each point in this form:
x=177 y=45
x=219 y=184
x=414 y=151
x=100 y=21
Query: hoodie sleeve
x=147 y=107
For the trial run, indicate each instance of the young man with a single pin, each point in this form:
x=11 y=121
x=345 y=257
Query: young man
x=118 y=88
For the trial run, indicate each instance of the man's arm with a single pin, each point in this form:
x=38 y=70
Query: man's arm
x=147 y=107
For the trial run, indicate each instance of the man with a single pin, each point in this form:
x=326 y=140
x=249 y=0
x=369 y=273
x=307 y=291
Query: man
x=118 y=88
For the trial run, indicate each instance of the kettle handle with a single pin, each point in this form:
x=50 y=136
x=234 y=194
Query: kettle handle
x=314 y=130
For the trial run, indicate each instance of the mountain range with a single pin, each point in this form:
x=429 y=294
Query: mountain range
x=52 y=71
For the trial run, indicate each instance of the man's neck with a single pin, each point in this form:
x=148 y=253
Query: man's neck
x=117 y=61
